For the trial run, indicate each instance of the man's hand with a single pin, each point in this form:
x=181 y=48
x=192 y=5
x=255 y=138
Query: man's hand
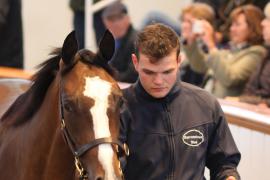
x=230 y=178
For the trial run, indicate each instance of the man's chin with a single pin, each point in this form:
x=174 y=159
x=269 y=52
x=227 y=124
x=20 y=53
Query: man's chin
x=159 y=94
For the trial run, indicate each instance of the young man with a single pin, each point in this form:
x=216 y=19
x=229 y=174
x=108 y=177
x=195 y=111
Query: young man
x=173 y=129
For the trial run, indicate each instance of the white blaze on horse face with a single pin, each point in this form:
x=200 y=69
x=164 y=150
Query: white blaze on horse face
x=99 y=90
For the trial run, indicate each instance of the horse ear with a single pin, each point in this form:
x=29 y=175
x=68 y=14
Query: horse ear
x=70 y=47
x=106 y=45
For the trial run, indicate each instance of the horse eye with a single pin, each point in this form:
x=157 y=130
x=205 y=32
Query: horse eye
x=68 y=107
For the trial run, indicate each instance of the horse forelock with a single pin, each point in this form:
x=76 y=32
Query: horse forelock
x=97 y=60
x=29 y=102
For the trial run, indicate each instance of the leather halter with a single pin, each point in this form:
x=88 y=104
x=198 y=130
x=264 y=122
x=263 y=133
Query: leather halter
x=77 y=153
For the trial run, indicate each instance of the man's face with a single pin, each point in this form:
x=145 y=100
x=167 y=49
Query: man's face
x=157 y=78
x=118 y=25
x=266 y=30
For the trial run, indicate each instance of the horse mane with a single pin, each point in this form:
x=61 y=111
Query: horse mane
x=29 y=102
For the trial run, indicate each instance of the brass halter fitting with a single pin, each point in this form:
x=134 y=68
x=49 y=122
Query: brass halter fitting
x=82 y=172
x=63 y=125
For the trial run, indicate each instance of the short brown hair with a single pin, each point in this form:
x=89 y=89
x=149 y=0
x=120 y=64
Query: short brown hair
x=200 y=11
x=157 y=41
x=254 y=16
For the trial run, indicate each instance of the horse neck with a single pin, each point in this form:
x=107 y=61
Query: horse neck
x=60 y=161
x=50 y=153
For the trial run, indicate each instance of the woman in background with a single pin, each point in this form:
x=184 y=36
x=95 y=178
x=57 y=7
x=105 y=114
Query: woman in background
x=257 y=90
x=189 y=14
x=228 y=70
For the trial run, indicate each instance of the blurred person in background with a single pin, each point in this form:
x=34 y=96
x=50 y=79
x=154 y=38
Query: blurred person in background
x=190 y=13
x=223 y=8
x=11 y=35
x=116 y=19
x=159 y=17
x=228 y=70
x=257 y=90
x=77 y=7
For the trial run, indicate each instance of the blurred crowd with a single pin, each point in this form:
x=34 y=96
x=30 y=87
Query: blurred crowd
x=224 y=47
x=224 y=44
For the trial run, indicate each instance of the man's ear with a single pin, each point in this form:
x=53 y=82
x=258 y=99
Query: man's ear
x=135 y=61
x=179 y=59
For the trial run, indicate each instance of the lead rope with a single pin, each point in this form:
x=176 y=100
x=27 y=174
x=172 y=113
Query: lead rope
x=80 y=169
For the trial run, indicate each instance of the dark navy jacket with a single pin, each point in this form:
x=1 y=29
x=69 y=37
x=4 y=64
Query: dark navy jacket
x=121 y=61
x=175 y=137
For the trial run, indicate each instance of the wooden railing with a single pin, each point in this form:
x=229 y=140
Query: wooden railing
x=6 y=72
x=250 y=127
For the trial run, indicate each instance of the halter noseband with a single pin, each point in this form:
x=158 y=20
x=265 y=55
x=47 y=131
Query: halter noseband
x=77 y=153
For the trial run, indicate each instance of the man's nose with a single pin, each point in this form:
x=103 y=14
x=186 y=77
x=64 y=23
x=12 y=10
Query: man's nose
x=158 y=79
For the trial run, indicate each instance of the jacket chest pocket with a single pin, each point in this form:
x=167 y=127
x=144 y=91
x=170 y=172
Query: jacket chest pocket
x=193 y=141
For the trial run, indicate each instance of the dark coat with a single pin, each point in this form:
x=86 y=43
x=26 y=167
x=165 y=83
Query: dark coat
x=257 y=89
x=122 y=61
x=11 y=41
x=175 y=137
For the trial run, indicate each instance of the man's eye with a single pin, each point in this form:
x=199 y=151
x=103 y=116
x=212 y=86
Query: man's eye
x=168 y=72
x=148 y=72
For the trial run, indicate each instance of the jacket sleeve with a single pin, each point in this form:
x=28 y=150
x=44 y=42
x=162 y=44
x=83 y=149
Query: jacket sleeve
x=124 y=121
x=229 y=72
x=124 y=126
x=129 y=75
x=259 y=83
x=223 y=155
x=195 y=57
x=4 y=9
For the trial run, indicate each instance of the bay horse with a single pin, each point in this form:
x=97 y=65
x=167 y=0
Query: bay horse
x=70 y=112
x=10 y=89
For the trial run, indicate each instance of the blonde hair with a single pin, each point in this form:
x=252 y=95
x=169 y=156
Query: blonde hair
x=200 y=11
x=267 y=10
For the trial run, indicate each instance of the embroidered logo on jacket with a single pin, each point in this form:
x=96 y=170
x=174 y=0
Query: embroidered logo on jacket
x=193 y=137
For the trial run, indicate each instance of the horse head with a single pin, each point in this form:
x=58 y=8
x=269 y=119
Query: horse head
x=90 y=100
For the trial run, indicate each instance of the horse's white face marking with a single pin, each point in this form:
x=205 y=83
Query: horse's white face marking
x=99 y=90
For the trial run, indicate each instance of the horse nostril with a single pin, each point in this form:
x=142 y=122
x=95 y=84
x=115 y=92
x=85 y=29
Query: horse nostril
x=99 y=178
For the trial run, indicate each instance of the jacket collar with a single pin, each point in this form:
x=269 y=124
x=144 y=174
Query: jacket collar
x=139 y=90
x=238 y=47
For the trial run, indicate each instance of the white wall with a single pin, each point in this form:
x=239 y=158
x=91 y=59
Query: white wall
x=46 y=23
x=255 y=157
x=139 y=8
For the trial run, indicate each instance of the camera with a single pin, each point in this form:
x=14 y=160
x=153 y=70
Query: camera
x=197 y=27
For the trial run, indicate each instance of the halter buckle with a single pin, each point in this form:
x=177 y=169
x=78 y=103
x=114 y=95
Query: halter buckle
x=126 y=149
x=63 y=125
x=82 y=172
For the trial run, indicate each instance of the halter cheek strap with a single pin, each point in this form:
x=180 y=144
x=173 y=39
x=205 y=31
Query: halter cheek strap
x=84 y=148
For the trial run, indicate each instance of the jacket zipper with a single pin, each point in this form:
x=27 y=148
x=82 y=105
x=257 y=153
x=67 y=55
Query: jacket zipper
x=171 y=143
